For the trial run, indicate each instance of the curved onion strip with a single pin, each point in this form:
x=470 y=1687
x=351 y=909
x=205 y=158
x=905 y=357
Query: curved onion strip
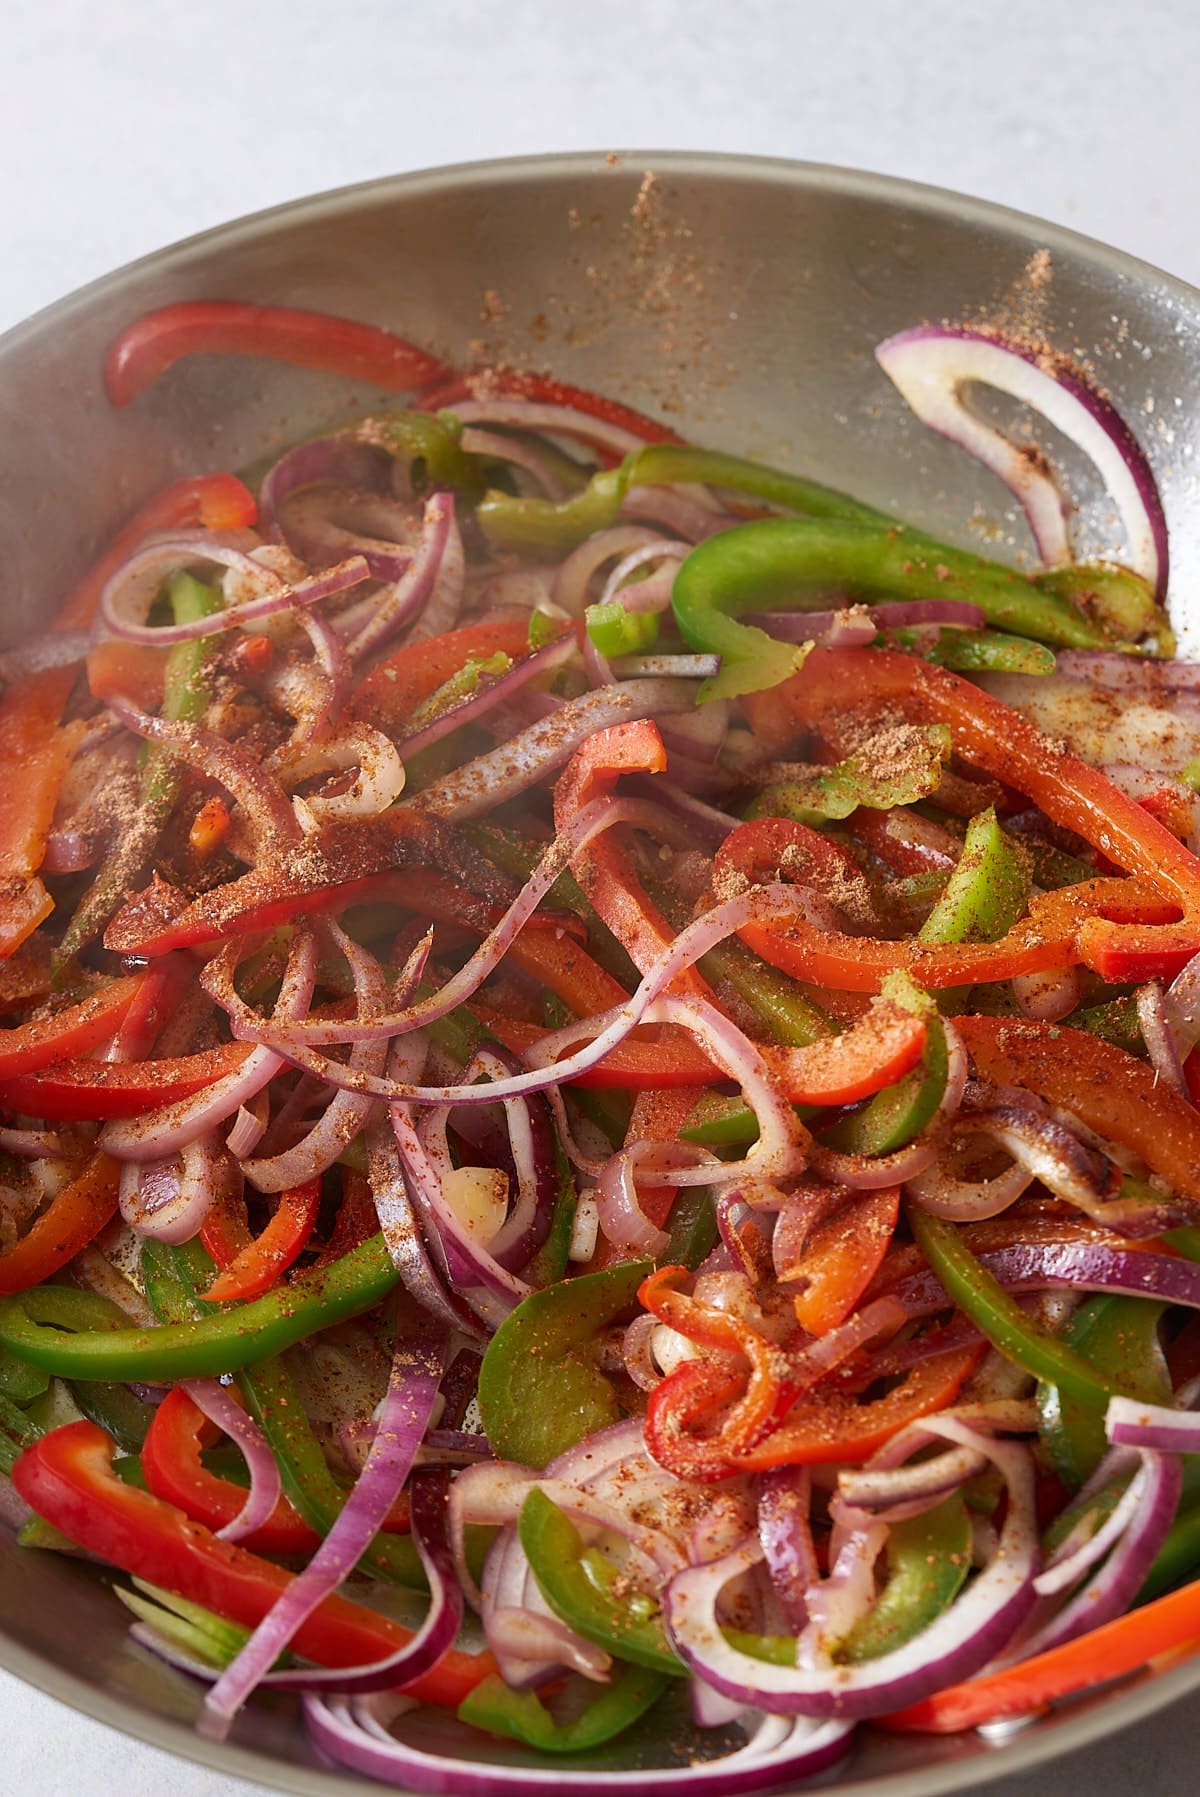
x=161 y=1132
x=334 y=664
x=574 y=574
x=400 y=603
x=498 y=448
x=648 y=595
x=441 y=610
x=129 y=592
x=1130 y=1423
x=556 y=421
x=1155 y=1024
x=932 y=364
x=957 y=1643
x=785 y=1535
x=169 y=1198
x=486 y=698
x=622 y=1220
x=221 y=1408
x=1080 y=1266
x=263 y=800
x=333 y=462
x=378 y=782
x=353 y=1733
x=402 y=1232
x=417 y=1367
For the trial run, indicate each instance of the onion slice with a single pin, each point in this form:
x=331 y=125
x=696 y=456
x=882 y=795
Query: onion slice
x=931 y=366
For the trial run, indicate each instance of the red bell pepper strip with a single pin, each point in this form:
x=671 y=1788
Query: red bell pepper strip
x=659 y=1113
x=251 y=1266
x=67 y=1478
x=1127 y=1644
x=518 y=383
x=33 y=741
x=362 y=352
x=213 y=501
x=842 y=1256
x=683 y=1420
x=117 y=669
x=604 y=869
x=829 y=1424
x=1119 y=1097
x=392 y=691
x=1093 y=923
x=78 y=1213
x=84 y=1090
x=44 y=1040
x=176 y=1474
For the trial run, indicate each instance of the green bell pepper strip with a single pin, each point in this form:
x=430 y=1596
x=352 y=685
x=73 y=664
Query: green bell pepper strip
x=835 y=792
x=536 y=526
x=988 y=888
x=981 y=1297
x=1122 y=600
x=978 y=651
x=118 y=1412
x=778 y=562
x=223 y=1342
x=899 y=1112
x=194 y=1630
x=540 y=1389
x=1177 y=1559
x=20 y=1382
x=692 y=1227
x=552 y=1258
x=1117 y=1336
x=928 y=1558
x=1117 y=1022
x=186 y=695
x=16 y=1432
x=460 y=686
x=615 y=631
x=584 y=1588
x=430 y=446
x=522 y=1716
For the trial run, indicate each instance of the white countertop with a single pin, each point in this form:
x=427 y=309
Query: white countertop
x=125 y=126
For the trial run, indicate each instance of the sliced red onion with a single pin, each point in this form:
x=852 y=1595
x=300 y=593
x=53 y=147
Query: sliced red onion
x=1047 y=997
x=498 y=448
x=412 y=1391
x=222 y=1408
x=623 y=1222
x=595 y=665
x=354 y=1733
x=163 y=1132
x=1078 y=1266
x=908 y=1490
x=952 y=1647
x=932 y=365
x=1183 y=1008
x=803 y=626
x=130 y=591
x=169 y=1198
x=837 y=1603
x=555 y=421
x=442 y=610
x=498 y=691
x=1130 y=1423
x=68 y=852
x=347 y=1113
x=651 y=594
x=785 y=1533
x=672 y=667
x=1074 y=1557
x=483 y=784
x=266 y=805
x=378 y=782
x=402 y=1233
x=1042 y=1148
x=531 y=1138
x=402 y=602
x=703 y=824
x=248 y=1127
x=337 y=462
x=677 y=509
x=574 y=575
x=1136 y=674
x=334 y=664
x=1155 y=1024
x=31 y=1144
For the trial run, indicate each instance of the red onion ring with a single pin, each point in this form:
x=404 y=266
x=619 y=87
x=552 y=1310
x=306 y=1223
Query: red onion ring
x=401 y=603
x=129 y=591
x=220 y=1407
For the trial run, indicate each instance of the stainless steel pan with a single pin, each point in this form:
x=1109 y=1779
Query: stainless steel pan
x=740 y=297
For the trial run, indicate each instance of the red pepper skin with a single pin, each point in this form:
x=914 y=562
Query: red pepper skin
x=517 y=383
x=117 y=669
x=216 y=501
x=1112 y=1092
x=78 y=1213
x=67 y=1478
x=33 y=741
x=251 y=1266
x=1101 y=923
x=604 y=870
x=176 y=1474
x=83 y=1090
x=362 y=352
x=392 y=691
x=1127 y=1644
x=842 y=1256
x=45 y=1040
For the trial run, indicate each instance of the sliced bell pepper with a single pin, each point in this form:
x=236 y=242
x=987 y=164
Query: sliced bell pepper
x=928 y=1558
x=117 y=669
x=1117 y=1336
x=987 y=891
x=222 y=1342
x=522 y=1716
x=582 y=1586
x=362 y=352
x=841 y=1257
x=1103 y=924
x=34 y=741
x=1127 y=1644
x=249 y=1265
x=67 y=1477
x=605 y=870
x=176 y=1473
x=540 y=1387
x=1119 y=1097
x=392 y=691
x=215 y=501
x=78 y=1090
x=78 y=1212
x=43 y=1041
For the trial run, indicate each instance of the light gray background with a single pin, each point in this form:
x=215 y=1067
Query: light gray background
x=123 y=127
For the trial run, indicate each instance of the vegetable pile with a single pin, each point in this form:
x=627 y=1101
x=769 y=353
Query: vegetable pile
x=605 y=1037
